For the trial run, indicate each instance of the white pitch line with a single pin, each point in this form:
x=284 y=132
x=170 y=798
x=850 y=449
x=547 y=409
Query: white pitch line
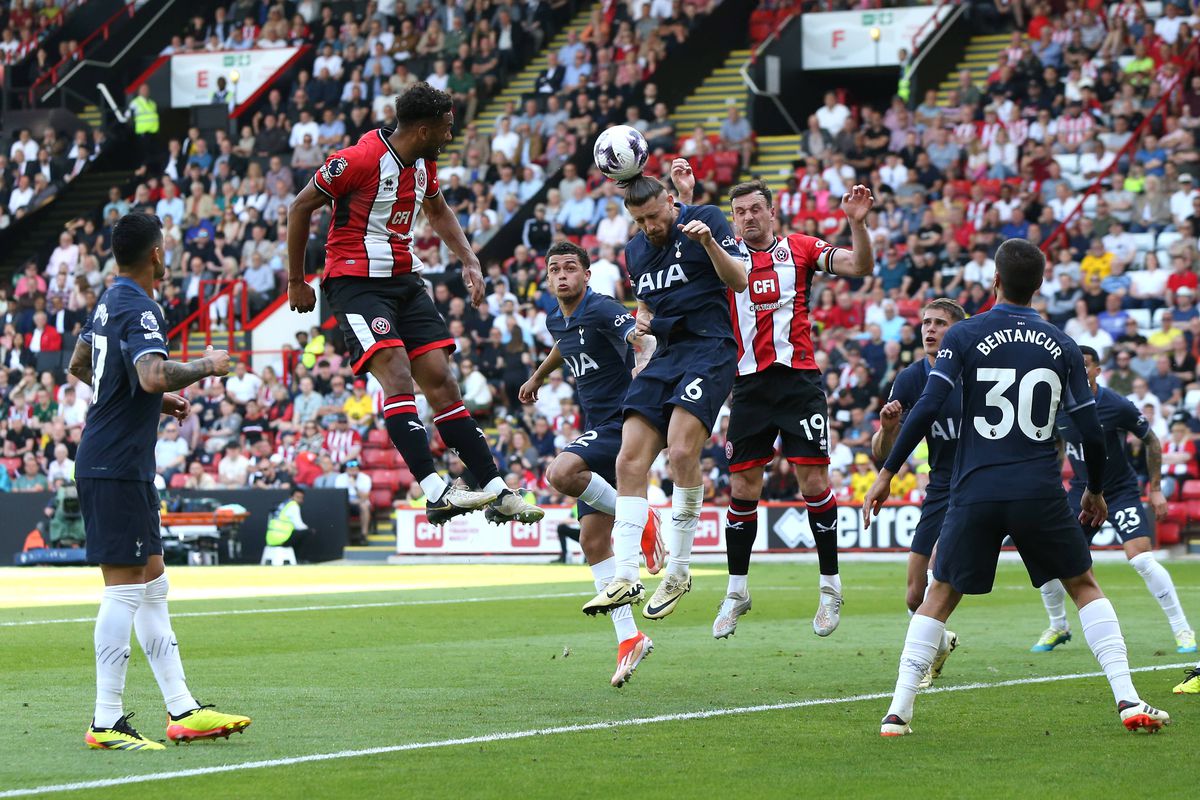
x=290 y=609
x=528 y=734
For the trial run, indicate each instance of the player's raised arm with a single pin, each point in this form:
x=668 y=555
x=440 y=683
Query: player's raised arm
x=445 y=224
x=889 y=428
x=858 y=262
x=301 y=296
x=717 y=241
x=684 y=180
x=157 y=374
x=528 y=393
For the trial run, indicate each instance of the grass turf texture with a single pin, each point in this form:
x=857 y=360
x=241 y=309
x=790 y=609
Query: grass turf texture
x=335 y=680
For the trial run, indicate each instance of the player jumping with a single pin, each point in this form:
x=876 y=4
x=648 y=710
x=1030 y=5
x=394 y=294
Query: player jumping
x=942 y=437
x=1125 y=509
x=373 y=283
x=682 y=262
x=1015 y=369
x=593 y=335
x=777 y=392
x=122 y=353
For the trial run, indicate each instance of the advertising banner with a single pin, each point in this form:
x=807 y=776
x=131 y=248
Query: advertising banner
x=840 y=39
x=194 y=75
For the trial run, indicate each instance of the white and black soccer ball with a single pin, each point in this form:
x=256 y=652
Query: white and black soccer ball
x=621 y=152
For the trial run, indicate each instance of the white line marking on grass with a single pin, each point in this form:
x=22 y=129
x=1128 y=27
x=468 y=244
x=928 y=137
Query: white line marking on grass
x=289 y=609
x=529 y=734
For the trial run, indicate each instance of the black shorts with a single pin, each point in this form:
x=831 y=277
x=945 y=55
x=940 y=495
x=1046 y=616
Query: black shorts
x=693 y=373
x=377 y=313
x=120 y=519
x=778 y=402
x=598 y=448
x=1125 y=511
x=1049 y=539
x=929 y=527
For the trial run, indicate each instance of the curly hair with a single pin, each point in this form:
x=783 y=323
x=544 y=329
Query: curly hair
x=420 y=103
x=568 y=248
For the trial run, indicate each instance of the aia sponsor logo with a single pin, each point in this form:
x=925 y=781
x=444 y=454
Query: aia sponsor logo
x=425 y=535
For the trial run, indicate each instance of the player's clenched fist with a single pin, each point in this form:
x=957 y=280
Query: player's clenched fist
x=698 y=232
x=301 y=296
x=220 y=360
x=889 y=415
x=528 y=393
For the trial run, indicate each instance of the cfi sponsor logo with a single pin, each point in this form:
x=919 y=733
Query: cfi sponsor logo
x=380 y=325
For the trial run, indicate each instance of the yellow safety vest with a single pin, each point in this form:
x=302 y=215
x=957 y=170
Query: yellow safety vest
x=904 y=88
x=279 y=527
x=145 y=115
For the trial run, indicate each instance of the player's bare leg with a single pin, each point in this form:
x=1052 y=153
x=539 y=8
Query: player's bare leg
x=741 y=529
x=925 y=632
x=1103 y=634
x=822 y=520
x=641 y=443
x=392 y=368
x=595 y=537
x=1159 y=583
x=570 y=475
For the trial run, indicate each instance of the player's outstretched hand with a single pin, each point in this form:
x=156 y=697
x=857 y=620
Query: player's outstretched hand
x=528 y=393
x=1092 y=510
x=857 y=202
x=641 y=325
x=698 y=232
x=176 y=405
x=880 y=490
x=683 y=177
x=889 y=415
x=221 y=361
x=301 y=296
x=1158 y=502
x=473 y=279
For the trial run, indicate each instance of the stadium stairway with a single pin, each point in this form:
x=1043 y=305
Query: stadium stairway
x=708 y=104
x=773 y=160
x=77 y=199
x=91 y=115
x=521 y=83
x=979 y=58
x=237 y=341
x=380 y=545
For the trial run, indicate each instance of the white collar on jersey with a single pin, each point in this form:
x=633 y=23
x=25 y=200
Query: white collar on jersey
x=391 y=149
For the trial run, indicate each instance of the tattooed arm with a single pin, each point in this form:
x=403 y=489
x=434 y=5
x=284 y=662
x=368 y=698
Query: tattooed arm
x=157 y=374
x=81 y=361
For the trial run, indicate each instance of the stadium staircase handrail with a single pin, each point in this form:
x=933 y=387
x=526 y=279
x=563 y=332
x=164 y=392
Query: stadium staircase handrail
x=920 y=32
x=748 y=79
x=201 y=314
x=79 y=51
x=1190 y=64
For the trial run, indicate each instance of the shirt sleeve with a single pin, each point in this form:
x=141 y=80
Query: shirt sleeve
x=142 y=332
x=340 y=175
x=1079 y=391
x=616 y=321
x=949 y=364
x=904 y=389
x=86 y=331
x=812 y=253
x=714 y=218
x=1130 y=419
x=432 y=187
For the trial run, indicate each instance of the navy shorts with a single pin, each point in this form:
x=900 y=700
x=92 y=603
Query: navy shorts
x=598 y=448
x=929 y=528
x=1125 y=512
x=695 y=374
x=120 y=519
x=1049 y=539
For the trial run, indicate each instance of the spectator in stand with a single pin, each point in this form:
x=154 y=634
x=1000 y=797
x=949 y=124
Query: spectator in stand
x=358 y=486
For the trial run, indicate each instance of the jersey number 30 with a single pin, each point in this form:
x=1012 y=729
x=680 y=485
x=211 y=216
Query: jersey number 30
x=1024 y=413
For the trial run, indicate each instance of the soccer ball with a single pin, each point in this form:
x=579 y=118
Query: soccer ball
x=621 y=152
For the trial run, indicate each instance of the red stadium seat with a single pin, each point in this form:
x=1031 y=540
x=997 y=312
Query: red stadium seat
x=384 y=479
x=1177 y=513
x=404 y=478
x=378 y=437
x=1191 y=490
x=1193 y=510
x=11 y=464
x=589 y=242
x=724 y=175
x=381 y=498
x=179 y=480
x=1167 y=533
x=376 y=458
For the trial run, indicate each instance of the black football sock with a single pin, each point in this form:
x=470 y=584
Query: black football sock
x=822 y=519
x=463 y=435
x=741 y=529
x=409 y=435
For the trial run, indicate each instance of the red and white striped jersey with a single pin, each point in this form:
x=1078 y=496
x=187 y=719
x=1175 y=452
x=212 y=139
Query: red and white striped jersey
x=340 y=444
x=771 y=315
x=376 y=199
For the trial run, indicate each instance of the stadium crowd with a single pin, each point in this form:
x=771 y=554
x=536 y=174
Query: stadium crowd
x=1012 y=157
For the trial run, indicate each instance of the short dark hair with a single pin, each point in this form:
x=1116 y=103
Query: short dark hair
x=750 y=187
x=1020 y=265
x=1090 y=351
x=422 y=102
x=134 y=236
x=568 y=248
x=641 y=190
x=956 y=312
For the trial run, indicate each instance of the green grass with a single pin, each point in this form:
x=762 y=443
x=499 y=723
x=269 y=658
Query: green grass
x=334 y=680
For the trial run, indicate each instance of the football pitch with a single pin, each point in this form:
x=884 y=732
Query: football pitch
x=487 y=681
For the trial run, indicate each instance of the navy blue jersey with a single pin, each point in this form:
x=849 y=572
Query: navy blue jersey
x=1016 y=371
x=942 y=435
x=1117 y=415
x=122 y=423
x=679 y=282
x=594 y=343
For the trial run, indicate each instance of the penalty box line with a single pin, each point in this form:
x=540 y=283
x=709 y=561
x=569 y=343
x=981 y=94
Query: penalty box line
x=505 y=736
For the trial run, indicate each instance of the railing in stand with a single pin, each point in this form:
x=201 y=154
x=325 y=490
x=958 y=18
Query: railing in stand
x=933 y=20
x=230 y=301
x=78 y=53
x=748 y=79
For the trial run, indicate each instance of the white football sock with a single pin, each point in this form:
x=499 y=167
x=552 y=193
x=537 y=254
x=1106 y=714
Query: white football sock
x=433 y=486
x=629 y=519
x=114 y=623
x=1054 y=598
x=737 y=583
x=1103 y=634
x=1159 y=582
x=685 y=516
x=622 y=616
x=831 y=582
x=920 y=648
x=153 y=626
x=496 y=485
x=600 y=495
